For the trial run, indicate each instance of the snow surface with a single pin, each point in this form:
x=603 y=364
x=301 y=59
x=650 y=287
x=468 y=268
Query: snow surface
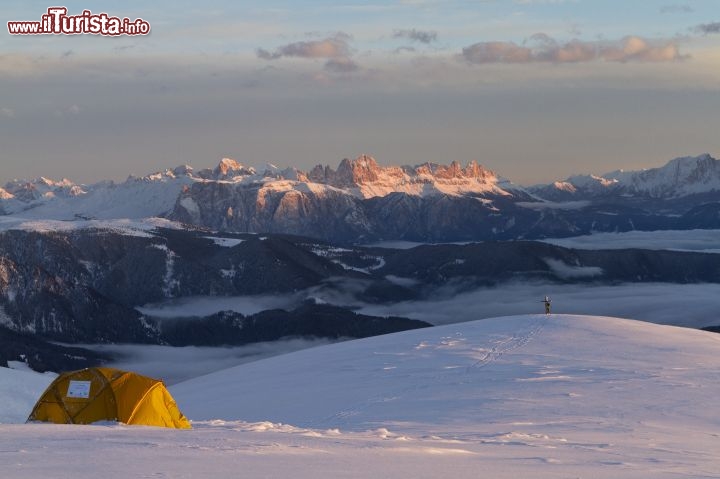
x=225 y=242
x=524 y=396
x=554 y=205
x=402 y=244
x=19 y=389
x=129 y=227
x=153 y=195
x=678 y=177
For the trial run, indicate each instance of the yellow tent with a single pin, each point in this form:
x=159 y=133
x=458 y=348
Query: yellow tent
x=106 y=394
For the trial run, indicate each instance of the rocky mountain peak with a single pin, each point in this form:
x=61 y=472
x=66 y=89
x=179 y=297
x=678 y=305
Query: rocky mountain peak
x=678 y=177
x=363 y=169
x=5 y=195
x=42 y=187
x=230 y=168
x=454 y=170
x=183 y=170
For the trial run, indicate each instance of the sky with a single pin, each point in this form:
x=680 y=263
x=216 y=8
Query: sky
x=535 y=90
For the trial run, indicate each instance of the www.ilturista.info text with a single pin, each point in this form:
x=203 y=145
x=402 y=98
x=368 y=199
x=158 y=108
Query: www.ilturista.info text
x=57 y=22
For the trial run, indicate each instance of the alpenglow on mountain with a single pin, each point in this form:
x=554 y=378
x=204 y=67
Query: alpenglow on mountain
x=361 y=201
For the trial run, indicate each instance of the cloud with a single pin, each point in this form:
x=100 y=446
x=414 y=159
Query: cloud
x=708 y=28
x=336 y=49
x=341 y=65
x=208 y=305
x=267 y=55
x=497 y=52
x=336 y=46
x=542 y=48
x=7 y=112
x=637 y=49
x=162 y=361
x=568 y=271
x=676 y=9
x=689 y=305
x=542 y=2
x=404 y=50
x=416 y=35
x=705 y=241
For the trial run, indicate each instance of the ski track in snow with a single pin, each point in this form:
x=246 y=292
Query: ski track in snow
x=501 y=346
x=506 y=345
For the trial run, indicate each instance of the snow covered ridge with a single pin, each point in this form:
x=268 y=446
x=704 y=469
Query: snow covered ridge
x=137 y=197
x=143 y=227
x=679 y=177
x=512 y=397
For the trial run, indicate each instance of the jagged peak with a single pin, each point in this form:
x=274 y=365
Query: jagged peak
x=705 y=157
x=226 y=164
x=41 y=180
x=363 y=169
x=565 y=186
x=290 y=173
x=691 y=163
x=229 y=167
x=362 y=161
x=682 y=162
x=183 y=170
x=589 y=181
x=76 y=190
x=5 y=195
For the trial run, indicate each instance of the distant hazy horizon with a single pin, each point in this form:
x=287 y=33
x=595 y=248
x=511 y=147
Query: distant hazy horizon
x=535 y=90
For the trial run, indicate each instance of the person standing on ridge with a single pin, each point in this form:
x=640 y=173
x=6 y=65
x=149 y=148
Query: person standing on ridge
x=547 y=302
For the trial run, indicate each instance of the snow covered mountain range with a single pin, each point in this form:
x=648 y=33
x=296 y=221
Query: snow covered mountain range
x=363 y=201
x=679 y=177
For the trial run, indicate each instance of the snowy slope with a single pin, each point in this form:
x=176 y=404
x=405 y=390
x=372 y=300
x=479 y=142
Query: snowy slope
x=19 y=389
x=130 y=227
x=150 y=196
x=524 y=396
x=677 y=178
